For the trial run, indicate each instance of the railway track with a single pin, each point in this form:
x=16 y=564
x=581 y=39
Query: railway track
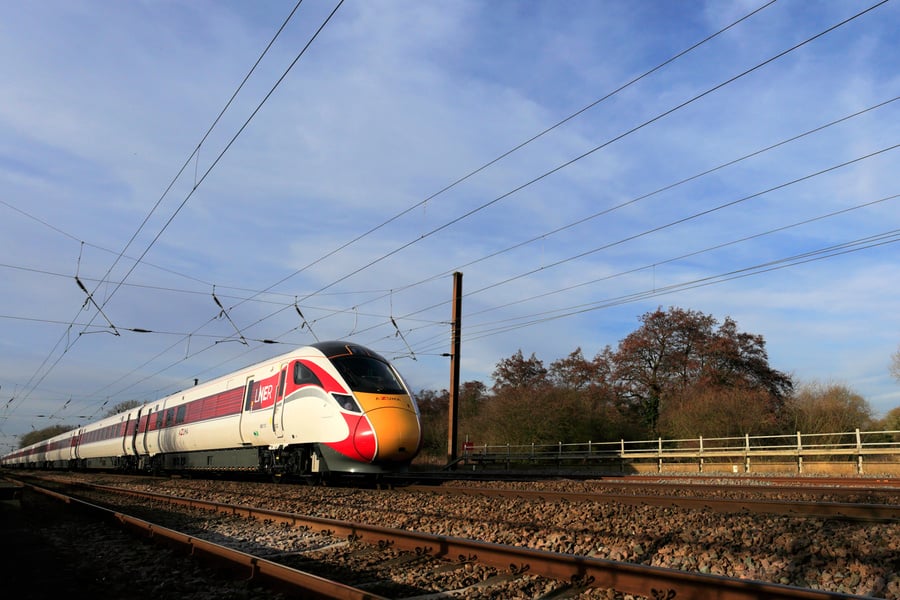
x=860 y=511
x=380 y=562
x=840 y=485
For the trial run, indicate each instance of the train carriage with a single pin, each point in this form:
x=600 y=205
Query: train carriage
x=328 y=407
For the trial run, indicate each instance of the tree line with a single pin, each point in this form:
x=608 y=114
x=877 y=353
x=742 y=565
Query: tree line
x=680 y=374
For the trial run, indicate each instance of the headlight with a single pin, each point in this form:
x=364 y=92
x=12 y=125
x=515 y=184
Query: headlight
x=347 y=402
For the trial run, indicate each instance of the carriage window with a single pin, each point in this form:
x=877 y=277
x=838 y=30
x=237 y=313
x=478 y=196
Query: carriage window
x=303 y=375
x=179 y=416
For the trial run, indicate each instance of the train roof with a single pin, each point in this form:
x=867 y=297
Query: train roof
x=334 y=349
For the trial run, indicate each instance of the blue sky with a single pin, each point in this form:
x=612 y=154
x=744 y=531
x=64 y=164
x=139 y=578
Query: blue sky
x=744 y=178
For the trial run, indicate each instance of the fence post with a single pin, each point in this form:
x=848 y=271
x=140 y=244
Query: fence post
x=659 y=454
x=746 y=453
x=700 y=455
x=799 y=455
x=859 y=458
x=622 y=455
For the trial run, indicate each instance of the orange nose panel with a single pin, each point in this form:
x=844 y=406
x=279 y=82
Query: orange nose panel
x=398 y=434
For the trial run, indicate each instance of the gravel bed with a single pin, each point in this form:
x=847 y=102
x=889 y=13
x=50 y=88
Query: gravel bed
x=705 y=487
x=836 y=556
x=59 y=553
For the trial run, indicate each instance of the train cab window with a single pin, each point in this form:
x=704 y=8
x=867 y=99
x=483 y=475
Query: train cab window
x=366 y=374
x=303 y=375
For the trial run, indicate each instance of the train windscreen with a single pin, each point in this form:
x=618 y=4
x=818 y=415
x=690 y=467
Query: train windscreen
x=368 y=375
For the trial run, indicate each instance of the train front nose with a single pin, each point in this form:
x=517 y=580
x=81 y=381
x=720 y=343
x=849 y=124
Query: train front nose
x=395 y=435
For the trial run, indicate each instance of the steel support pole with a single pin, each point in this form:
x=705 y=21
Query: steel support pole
x=453 y=408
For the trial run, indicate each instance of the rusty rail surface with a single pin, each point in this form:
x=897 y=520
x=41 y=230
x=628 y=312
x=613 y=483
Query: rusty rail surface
x=585 y=571
x=827 y=510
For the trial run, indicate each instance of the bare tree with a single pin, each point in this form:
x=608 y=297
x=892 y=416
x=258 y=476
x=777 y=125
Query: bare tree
x=517 y=372
x=829 y=408
x=676 y=350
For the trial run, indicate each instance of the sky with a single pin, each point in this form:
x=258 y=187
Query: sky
x=182 y=183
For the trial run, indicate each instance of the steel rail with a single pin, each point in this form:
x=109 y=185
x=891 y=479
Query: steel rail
x=837 y=485
x=275 y=574
x=826 y=510
x=834 y=487
x=653 y=582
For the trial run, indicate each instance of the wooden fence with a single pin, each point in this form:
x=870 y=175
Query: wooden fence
x=739 y=453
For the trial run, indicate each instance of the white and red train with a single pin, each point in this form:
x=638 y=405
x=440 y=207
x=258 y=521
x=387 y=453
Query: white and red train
x=332 y=407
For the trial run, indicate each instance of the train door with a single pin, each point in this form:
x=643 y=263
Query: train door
x=247 y=420
x=76 y=439
x=145 y=432
x=134 y=434
x=125 y=435
x=278 y=405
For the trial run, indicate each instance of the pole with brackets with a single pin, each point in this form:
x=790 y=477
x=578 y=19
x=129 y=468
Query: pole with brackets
x=453 y=408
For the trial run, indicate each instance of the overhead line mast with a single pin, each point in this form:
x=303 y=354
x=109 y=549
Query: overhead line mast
x=453 y=408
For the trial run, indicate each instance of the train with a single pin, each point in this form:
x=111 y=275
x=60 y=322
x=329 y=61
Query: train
x=324 y=409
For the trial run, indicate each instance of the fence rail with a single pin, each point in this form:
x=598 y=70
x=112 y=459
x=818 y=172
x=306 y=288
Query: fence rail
x=745 y=449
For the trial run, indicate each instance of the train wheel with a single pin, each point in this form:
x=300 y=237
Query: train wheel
x=294 y=461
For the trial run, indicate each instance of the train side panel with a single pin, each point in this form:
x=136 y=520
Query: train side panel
x=316 y=408
x=99 y=445
x=310 y=411
x=215 y=416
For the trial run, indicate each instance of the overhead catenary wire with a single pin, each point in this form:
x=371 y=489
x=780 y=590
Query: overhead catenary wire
x=856 y=245
x=544 y=235
x=398 y=317
x=490 y=163
x=334 y=311
x=476 y=332
x=593 y=150
x=599 y=147
x=231 y=141
x=32 y=383
x=692 y=216
x=528 y=141
x=693 y=254
x=521 y=145
x=679 y=221
x=495 y=327
x=663 y=261
x=191 y=157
